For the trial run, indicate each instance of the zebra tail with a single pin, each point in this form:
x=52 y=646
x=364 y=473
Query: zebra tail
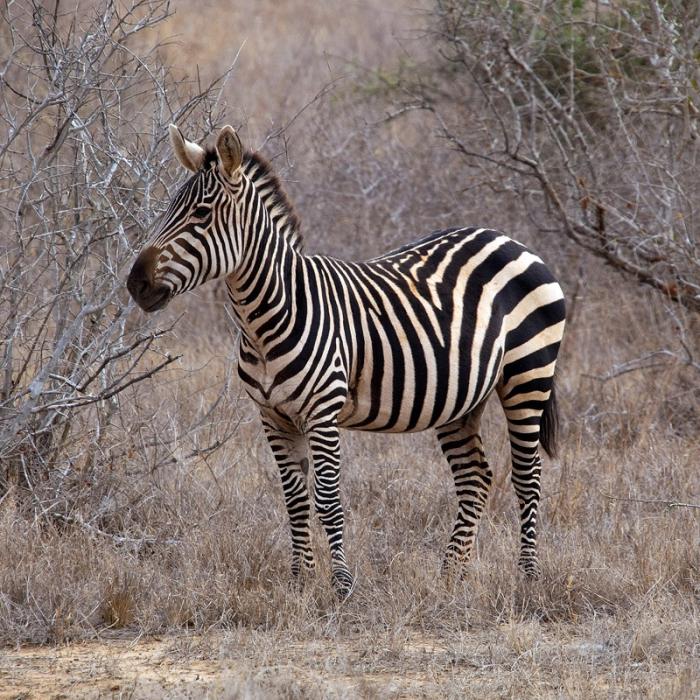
x=549 y=428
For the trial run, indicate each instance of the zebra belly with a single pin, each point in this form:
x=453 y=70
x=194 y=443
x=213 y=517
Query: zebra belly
x=354 y=416
x=425 y=399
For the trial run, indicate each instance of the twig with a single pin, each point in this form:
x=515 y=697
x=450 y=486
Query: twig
x=71 y=403
x=118 y=539
x=658 y=501
x=639 y=363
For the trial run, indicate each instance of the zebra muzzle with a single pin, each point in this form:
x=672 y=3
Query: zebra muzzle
x=149 y=295
x=149 y=298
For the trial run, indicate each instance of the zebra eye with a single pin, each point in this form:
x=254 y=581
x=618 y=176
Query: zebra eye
x=201 y=212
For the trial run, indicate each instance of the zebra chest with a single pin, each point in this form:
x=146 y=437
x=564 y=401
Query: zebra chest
x=275 y=392
x=265 y=382
x=295 y=387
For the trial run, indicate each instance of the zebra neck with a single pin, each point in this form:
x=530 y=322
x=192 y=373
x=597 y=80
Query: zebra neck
x=266 y=293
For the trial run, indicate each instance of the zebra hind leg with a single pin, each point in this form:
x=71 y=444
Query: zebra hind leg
x=289 y=450
x=461 y=444
x=324 y=442
x=524 y=414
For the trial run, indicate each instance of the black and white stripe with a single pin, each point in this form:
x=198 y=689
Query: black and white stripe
x=415 y=339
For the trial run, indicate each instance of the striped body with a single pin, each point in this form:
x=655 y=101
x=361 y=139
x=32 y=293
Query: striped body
x=415 y=339
x=386 y=365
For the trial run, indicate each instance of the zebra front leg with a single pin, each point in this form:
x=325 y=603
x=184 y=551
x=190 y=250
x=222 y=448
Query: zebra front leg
x=461 y=444
x=324 y=442
x=289 y=450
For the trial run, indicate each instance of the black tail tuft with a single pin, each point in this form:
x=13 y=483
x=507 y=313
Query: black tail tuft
x=549 y=427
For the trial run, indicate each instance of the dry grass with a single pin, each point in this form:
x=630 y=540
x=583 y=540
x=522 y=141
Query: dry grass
x=617 y=613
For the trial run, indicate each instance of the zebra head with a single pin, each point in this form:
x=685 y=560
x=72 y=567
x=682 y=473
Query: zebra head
x=192 y=243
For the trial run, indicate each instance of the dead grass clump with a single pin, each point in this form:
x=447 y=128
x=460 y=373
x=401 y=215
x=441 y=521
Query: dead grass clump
x=119 y=603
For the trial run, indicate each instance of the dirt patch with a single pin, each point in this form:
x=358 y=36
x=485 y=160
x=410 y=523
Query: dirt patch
x=502 y=663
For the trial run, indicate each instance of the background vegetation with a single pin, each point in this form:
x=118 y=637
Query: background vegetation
x=137 y=495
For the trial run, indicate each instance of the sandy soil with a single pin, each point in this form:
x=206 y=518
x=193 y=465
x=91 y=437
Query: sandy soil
x=505 y=663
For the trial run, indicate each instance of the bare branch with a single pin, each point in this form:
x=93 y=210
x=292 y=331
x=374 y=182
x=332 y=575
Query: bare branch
x=84 y=163
x=670 y=504
x=592 y=119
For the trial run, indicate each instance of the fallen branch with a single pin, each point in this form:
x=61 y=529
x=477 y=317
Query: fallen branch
x=136 y=542
x=658 y=501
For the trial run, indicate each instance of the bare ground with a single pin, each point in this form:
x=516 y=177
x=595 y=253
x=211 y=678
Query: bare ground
x=506 y=661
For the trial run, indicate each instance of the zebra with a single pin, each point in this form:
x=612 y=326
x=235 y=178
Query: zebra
x=414 y=339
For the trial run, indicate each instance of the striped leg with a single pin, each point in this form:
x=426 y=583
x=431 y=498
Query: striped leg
x=324 y=443
x=524 y=416
x=289 y=450
x=461 y=444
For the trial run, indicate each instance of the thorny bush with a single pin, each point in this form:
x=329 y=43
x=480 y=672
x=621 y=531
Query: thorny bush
x=84 y=112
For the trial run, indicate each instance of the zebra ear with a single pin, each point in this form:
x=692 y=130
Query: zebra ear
x=230 y=150
x=190 y=155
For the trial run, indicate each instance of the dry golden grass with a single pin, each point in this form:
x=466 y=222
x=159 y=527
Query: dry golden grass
x=616 y=614
x=617 y=611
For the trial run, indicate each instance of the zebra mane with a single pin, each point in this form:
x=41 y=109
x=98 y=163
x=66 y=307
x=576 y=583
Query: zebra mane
x=268 y=186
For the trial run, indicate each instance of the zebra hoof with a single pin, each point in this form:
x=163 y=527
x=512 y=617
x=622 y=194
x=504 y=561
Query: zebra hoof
x=301 y=574
x=531 y=568
x=343 y=584
x=454 y=567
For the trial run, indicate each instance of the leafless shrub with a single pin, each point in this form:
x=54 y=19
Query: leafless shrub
x=84 y=114
x=588 y=111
